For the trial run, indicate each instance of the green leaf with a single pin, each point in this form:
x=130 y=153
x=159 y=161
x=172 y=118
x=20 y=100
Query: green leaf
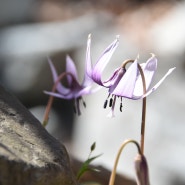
x=85 y=167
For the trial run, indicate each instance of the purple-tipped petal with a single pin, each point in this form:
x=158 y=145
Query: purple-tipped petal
x=88 y=57
x=115 y=79
x=103 y=61
x=84 y=91
x=71 y=68
x=53 y=70
x=126 y=85
x=58 y=95
x=149 y=69
x=60 y=87
x=96 y=89
x=88 y=64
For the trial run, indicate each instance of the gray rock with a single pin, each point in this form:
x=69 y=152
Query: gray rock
x=28 y=153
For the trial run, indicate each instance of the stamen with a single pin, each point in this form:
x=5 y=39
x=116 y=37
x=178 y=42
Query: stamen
x=121 y=105
x=77 y=100
x=83 y=102
x=74 y=109
x=110 y=102
x=105 y=104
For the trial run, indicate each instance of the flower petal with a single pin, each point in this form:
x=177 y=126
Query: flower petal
x=88 y=57
x=159 y=83
x=103 y=61
x=58 y=95
x=149 y=68
x=71 y=68
x=126 y=85
x=60 y=87
x=83 y=91
x=114 y=80
x=88 y=64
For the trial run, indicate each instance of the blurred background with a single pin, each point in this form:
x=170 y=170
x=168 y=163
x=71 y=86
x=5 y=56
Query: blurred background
x=31 y=30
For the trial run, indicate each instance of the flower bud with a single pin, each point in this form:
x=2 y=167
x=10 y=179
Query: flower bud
x=141 y=167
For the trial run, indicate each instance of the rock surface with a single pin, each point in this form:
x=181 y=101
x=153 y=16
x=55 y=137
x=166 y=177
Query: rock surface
x=28 y=153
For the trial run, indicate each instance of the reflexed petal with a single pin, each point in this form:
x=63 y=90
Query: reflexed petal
x=83 y=91
x=126 y=85
x=149 y=69
x=103 y=61
x=116 y=79
x=96 y=89
x=60 y=87
x=71 y=68
x=88 y=57
x=58 y=95
x=158 y=84
x=53 y=70
x=88 y=64
x=112 y=78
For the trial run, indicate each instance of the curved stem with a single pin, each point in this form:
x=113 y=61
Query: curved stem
x=51 y=98
x=113 y=174
x=126 y=62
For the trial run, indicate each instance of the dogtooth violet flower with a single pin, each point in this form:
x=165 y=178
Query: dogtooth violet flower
x=74 y=89
x=127 y=83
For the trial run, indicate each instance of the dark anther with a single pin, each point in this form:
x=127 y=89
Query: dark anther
x=84 y=104
x=121 y=106
x=105 y=104
x=110 y=102
x=74 y=109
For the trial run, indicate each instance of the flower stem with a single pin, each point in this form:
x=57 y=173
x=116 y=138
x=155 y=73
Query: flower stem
x=48 y=108
x=143 y=105
x=143 y=124
x=51 y=98
x=113 y=174
x=143 y=110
